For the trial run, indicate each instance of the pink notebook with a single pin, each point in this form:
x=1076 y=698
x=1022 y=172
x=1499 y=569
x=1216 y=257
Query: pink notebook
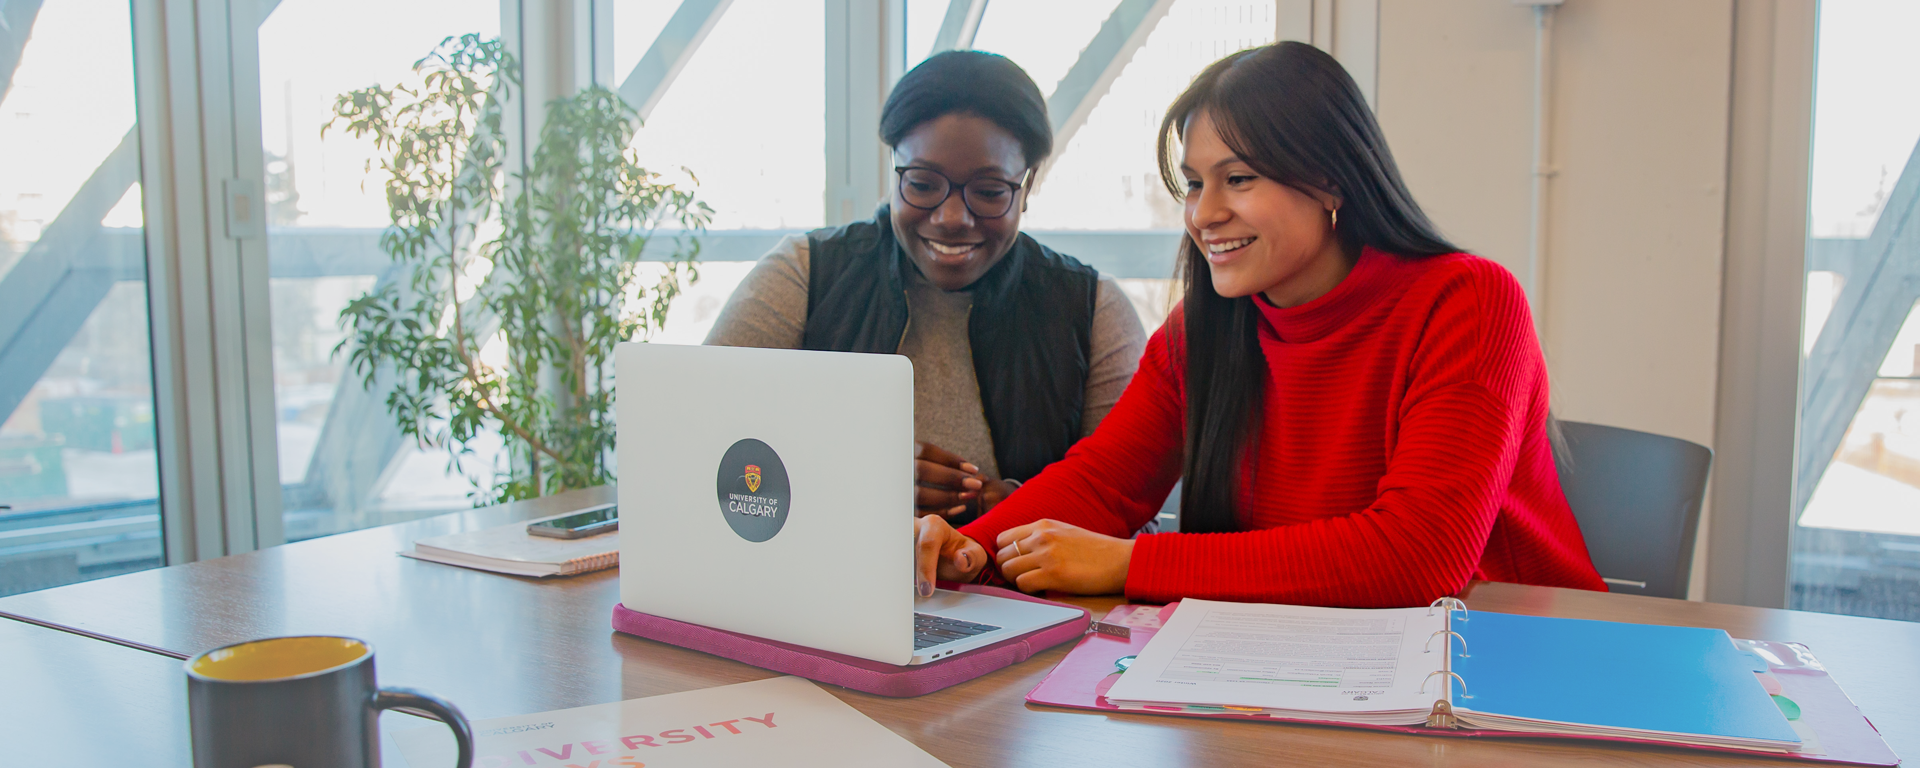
x=1844 y=735
x=851 y=671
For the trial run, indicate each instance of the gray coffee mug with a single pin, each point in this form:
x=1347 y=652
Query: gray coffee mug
x=298 y=701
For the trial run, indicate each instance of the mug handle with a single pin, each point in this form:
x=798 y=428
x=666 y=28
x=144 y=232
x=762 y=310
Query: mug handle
x=388 y=698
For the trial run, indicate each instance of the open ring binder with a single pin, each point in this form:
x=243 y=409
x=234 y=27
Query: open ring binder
x=1451 y=604
x=1531 y=676
x=1442 y=714
x=1463 y=641
x=1454 y=675
x=1456 y=708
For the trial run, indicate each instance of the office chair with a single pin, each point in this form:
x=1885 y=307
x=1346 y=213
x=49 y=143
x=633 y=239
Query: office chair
x=1637 y=498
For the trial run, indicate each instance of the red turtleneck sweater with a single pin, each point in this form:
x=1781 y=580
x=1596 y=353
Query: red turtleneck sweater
x=1403 y=452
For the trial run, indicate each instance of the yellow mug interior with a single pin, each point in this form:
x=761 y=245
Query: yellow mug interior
x=278 y=658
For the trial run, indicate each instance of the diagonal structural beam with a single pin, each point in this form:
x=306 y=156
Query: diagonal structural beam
x=359 y=440
x=355 y=454
x=53 y=289
x=16 y=25
x=960 y=27
x=670 y=53
x=49 y=294
x=1874 y=302
x=1834 y=254
x=1100 y=63
x=357 y=443
x=68 y=304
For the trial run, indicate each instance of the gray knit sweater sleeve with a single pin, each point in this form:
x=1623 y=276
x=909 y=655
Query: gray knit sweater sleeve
x=1118 y=342
x=769 y=308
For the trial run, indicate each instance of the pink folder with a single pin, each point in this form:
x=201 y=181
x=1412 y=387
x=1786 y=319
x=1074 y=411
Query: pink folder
x=1844 y=735
x=853 y=672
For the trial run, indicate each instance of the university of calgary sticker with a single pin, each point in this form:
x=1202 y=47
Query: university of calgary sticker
x=754 y=493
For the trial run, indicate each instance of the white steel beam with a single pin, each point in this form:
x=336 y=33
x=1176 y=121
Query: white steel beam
x=1749 y=527
x=16 y=25
x=179 y=304
x=865 y=49
x=1874 y=301
x=206 y=274
x=53 y=289
x=257 y=468
x=670 y=52
x=1100 y=63
x=960 y=26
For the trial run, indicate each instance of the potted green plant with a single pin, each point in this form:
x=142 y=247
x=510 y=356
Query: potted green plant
x=514 y=287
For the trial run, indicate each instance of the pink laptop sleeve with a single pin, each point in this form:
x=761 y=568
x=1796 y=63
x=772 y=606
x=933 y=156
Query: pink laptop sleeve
x=853 y=672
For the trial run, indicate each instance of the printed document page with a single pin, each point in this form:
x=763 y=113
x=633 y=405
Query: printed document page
x=783 y=721
x=1287 y=657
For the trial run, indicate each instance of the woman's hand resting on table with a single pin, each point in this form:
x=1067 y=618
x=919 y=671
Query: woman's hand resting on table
x=1053 y=555
x=1036 y=556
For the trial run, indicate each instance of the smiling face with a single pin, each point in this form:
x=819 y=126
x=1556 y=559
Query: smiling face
x=949 y=244
x=1259 y=235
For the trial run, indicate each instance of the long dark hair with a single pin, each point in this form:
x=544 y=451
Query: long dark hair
x=1293 y=114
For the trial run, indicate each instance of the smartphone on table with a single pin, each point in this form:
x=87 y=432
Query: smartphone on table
x=587 y=522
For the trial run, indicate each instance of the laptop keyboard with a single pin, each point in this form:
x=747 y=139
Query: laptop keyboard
x=930 y=630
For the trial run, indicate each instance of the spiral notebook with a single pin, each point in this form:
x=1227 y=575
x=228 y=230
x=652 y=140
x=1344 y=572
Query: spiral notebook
x=1446 y=670
x=511 y=550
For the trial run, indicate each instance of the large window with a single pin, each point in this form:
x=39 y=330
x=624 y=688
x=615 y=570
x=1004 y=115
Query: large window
x=1108 y=68
x=754 y=158
x=343 y=464
x=756 y=153
x=1857 y=538
x=735 y=100
x=1102 y=176
x=1107 y=95
x=78 y=464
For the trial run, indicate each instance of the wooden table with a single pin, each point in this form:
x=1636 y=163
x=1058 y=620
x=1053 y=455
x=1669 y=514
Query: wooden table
x=68 y=700
x=71 y=700
x=498 y=645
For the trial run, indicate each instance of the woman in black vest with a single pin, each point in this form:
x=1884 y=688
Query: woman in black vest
x=1018 y=351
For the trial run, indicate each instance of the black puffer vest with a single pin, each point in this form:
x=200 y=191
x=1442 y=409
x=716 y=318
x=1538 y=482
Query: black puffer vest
x=1031 y=330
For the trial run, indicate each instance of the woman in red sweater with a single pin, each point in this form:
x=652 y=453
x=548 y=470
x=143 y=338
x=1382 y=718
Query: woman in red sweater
x=1358 y=410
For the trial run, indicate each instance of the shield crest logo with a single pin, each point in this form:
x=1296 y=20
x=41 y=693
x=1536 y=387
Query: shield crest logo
x=753 y=478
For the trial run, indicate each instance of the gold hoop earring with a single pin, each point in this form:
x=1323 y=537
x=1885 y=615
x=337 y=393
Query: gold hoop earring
x=1336 y=218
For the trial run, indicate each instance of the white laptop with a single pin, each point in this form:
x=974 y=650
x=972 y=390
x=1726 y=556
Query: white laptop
x=770 y=492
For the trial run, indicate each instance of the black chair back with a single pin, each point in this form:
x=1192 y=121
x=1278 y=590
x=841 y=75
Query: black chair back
x=1637 y=497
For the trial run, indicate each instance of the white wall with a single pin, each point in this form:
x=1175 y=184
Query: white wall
x=1636 y=217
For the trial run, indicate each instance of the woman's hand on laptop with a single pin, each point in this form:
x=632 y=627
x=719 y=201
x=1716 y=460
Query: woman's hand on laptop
x=946 y=483
x=1053 y=555
x=943 y=553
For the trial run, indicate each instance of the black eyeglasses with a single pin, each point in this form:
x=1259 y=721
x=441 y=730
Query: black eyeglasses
x=927 y=189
